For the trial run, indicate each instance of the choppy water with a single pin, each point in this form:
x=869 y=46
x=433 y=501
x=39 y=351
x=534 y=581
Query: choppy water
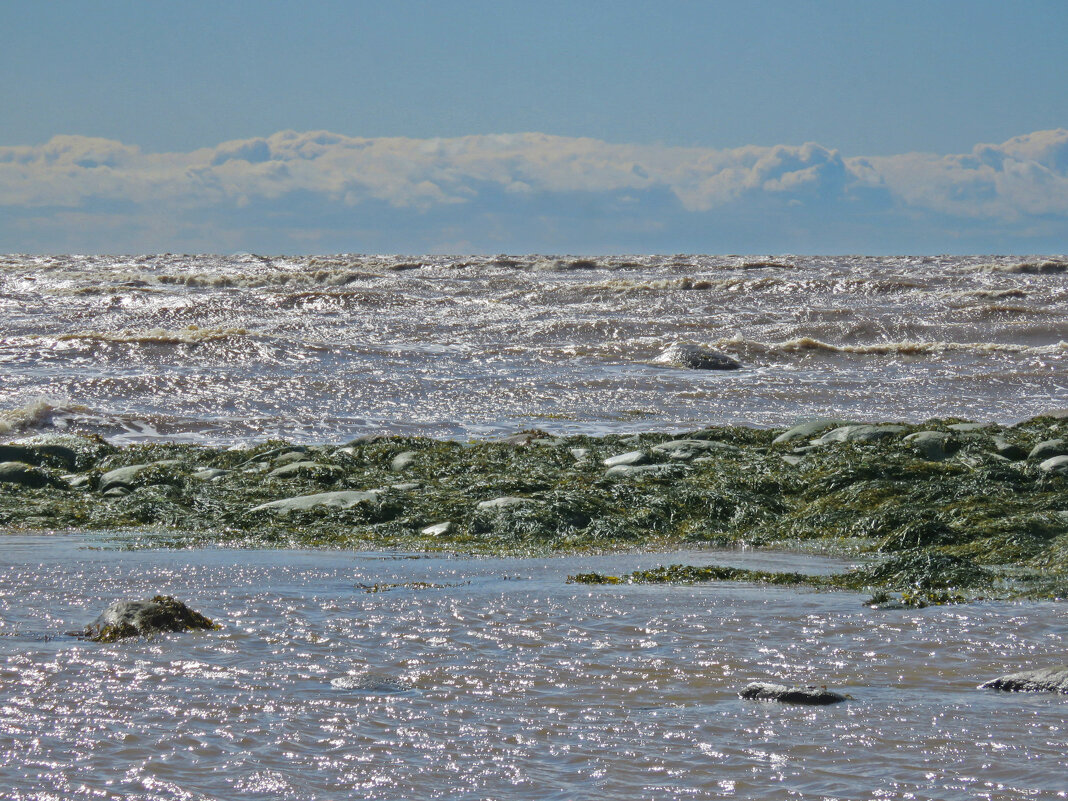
x=231 y=349
x=505 y=684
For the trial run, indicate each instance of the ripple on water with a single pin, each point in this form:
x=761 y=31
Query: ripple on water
x=512 y=684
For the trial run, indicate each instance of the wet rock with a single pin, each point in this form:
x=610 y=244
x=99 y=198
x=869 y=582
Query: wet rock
x=931 y=445
x=402 y=461
x=289 y=457
x=24 y=475
x=306 y=469
x=406 y=486
x=807 y=430
x=686 y=449
x=370 y=683
x=52 y=455
x=696 y=357
x=505 y=502
x=1048 y=449
x=437 y=530
x=859 y=433
x=524 y=438
x=158 y=615
x=640 y=470
x=966 y=428
x=580 y=454
x=629 y=458
x=210 y=473
x=1057 y=465
x=1010 y=450
x=124 y=477
x=1044 y=680
x=811 y=696
x=343 y=499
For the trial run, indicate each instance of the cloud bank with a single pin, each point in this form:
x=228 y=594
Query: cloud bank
x=320 y=191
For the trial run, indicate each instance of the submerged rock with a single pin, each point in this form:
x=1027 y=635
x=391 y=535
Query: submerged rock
x=811 y=696
x=1044 y=680
x=342 y=499
x=696 y=357
x=161 y=614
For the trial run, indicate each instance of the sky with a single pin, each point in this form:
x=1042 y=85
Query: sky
x=592 y=127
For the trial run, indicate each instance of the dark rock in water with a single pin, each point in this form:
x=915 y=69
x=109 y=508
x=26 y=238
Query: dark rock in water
x=24 y=475
x=696 y=357
x=1048 y=449
x=812 y=696
x=1044 y=680
x=161 y=614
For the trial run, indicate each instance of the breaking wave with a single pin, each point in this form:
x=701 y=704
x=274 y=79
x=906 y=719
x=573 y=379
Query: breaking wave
x=907 y=348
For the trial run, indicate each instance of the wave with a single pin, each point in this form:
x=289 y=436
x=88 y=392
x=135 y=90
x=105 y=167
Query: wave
x=906 y=348
x=191 y=335
x=1027 y=268
x=38 y=413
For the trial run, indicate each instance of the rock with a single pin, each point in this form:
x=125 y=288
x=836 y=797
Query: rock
x=24 y=475
x=793 y=461
x=696 y=357
x=1057 y=465
x=505 y=502
x=580 y=454
x=639 y=470
x=343 y=499
x=56 y=455
x=143 y=618
x=370 y=683
x=437 y=530
x=628 y=458
x=1048 y=449
x=807 y=430
x=1044 y=680
x=964 y=428
x=403 y=460
x=210 y=473
x=1010 y=450
x=931 y=445
x=686 y=449
x=406 y=486
x=306 y=469
x=125 y=477
x=289 y=457
x=813 y=696
x=859 y=433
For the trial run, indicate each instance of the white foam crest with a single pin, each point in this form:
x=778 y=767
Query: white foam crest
x=904 y=348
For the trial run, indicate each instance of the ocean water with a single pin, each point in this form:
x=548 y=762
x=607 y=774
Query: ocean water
x=477 y=679
x=236 y=349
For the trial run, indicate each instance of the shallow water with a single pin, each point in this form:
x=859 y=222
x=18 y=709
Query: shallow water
x=507 y=683
x=239 y=349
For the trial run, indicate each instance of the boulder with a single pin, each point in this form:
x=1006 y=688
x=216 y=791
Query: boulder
x=628 y=458
x=967 y=428
x=1048 y=449
x=931 y=445
x=306 y=469
x=124 y=477
x=403 y=460
x=696 y=357
x=24 y=475
x=686 y=449
x=343 y=499
x=54 y=455
x=1043 y=680
x=210 y=473
x=289 y=457
x=505 y=502
x=1010 y=450
x=811 y=696
x=1057 y=465
x=859 y=433
x=437 y=530
x=143 y=618
x=807 y=430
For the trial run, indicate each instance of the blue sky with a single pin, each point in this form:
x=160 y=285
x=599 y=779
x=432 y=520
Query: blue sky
x=670 y=126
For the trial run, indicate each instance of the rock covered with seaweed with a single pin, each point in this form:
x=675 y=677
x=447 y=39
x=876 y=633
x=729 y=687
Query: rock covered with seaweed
x=943 y=510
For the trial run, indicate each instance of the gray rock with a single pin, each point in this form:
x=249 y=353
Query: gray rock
x=931 y=445
x=859 y=433
x=696 y=357
x=1010 y=450
x=403 y=460
x=437 y=530
x=57 y=455
x=289 y=457
x=807 y=430
x=686 y=449
x=406 y=486
x=580 y=454
x=811 y=696
x=210 y=473
x=24 y=475
x=640 y=470
x=306 y=469
x=124 y=477
x=792 y=460
x=964 y=428
x=143 y=618
x=343 y=499
x=1057 y=465
x=1044 y=680
x=1048 y=449
x=628 y=458
x=505 y=502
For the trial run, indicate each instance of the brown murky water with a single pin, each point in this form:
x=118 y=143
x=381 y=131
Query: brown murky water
x=504 y=682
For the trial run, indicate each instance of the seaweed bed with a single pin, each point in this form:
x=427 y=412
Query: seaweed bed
x=963 y=511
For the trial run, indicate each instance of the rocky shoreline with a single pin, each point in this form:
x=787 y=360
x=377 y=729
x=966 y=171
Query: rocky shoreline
x=944 y=511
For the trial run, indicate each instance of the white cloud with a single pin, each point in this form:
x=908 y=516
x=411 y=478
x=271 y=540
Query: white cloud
x=1014 y=183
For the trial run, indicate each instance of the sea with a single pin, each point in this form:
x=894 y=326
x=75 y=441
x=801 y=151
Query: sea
x=479 y=678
